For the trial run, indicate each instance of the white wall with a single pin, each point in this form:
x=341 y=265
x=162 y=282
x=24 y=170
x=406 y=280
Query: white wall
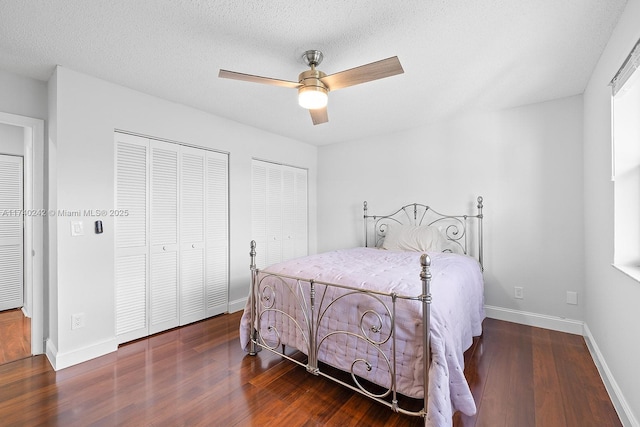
x=23 y=96
x=88 y=110
x=612 y=298
x=527 y=164
x=11 y=140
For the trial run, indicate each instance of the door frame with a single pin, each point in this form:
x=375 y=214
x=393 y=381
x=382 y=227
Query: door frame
x=33 y=164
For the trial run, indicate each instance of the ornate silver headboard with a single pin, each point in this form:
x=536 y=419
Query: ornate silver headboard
x=456 y=228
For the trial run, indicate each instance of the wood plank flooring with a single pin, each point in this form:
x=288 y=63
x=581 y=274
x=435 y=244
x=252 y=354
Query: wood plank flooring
x=198 y=376
x=15 y=335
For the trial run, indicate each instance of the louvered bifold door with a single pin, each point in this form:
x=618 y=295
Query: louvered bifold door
x=288 y=213
x=11 y=232
x=131 y=231
x=163 y=284
x=192 y=220
x=294 y=212
x=259 y=210
x=217 y=234
x=301 y=215
x=274 y=215
x=279 y=212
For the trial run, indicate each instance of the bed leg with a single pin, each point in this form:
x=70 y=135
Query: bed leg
x=254 y=275
x=480 y=237
x=425 y=277
x=252 y=344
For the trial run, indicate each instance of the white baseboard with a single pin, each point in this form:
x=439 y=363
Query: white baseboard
x=64 y=360
x=544 y=321
x=617 y=398
x=578 y=328
x=237 y=305
x=51 y=351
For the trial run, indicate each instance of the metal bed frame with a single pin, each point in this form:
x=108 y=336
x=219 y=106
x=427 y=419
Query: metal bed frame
x=373 y=323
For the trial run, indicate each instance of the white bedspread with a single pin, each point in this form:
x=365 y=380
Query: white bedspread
x=457 y=312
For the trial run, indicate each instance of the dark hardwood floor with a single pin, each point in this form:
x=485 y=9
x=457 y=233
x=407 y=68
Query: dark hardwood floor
x=198 y=376
x=15 y=335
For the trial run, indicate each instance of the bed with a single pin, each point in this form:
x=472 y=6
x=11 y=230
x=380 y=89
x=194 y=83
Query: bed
x=359 y=315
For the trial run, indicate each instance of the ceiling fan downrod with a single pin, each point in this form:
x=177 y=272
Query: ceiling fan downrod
x=312 y=58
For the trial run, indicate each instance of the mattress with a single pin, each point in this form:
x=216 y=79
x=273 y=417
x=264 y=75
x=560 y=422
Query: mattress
x=363 y=344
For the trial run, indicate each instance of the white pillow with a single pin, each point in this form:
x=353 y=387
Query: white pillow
x=422 y=238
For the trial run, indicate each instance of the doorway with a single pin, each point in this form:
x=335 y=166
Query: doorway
x=29 y=317
x=15 y=326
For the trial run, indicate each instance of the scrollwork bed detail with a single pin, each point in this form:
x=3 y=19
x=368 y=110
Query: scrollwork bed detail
x=453 y=227
x=307 y=314
x=376 y=325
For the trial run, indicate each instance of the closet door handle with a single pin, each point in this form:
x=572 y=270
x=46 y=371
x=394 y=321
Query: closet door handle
x=193 y=245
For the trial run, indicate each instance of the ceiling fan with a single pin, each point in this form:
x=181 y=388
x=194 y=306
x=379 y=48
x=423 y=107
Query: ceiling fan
x=313 y=85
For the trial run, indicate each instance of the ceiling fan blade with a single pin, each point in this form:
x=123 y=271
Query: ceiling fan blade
x=319 y=116
x=364 y=73
x=225 y=74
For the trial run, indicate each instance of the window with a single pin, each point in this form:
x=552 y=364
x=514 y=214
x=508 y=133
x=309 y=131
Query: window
x=626 y=164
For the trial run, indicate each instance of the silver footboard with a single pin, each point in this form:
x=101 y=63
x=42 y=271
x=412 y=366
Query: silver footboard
x=307 y=315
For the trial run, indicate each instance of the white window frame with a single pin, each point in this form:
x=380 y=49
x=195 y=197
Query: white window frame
x=625 y=156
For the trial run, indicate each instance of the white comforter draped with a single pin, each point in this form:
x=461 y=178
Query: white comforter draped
x=457 y=312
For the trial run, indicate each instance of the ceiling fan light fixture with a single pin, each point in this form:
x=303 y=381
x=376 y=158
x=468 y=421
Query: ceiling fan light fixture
x=313 y=85
x=312 y=97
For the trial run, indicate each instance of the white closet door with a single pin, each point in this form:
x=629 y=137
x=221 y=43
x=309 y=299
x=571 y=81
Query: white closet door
x=294 y=212
x=301 y=214
x=274 y=214
x=217 y=234
x=288 y=212
x=11 y=232
x=163 y=285
x=192 y=244
x=259 y=210
x=131 y=189
x=279 y=212
x=172 y=249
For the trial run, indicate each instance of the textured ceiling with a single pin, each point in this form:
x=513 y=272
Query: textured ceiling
x=458 y=55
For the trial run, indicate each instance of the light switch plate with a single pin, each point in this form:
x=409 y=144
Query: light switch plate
x=77 y=228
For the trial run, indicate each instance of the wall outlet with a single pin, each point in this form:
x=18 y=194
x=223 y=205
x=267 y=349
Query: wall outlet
x=518 y=292
x=572 y=298
x=77 y=321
